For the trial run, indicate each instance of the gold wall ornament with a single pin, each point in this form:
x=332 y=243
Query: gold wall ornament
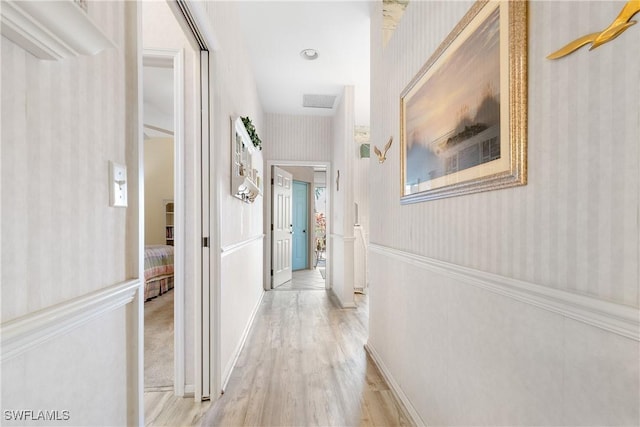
x=617 y=27
x=382 y=155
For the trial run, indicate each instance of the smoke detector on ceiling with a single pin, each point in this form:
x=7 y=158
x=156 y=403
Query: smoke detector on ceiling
x=318 y=101
x=309 y=54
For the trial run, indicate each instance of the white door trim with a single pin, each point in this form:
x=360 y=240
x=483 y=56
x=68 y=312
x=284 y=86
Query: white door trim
x=268 y=207
x=207 y=369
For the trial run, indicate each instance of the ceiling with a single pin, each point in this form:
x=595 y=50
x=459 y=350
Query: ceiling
x=158 y=101
x=276 y=32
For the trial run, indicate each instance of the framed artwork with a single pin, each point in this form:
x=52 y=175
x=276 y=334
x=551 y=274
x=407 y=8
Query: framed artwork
x=463 y=117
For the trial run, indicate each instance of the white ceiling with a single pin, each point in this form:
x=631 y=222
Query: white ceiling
x=276 y=31
x=158 y=101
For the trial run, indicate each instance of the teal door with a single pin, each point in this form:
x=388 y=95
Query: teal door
x=300 y=224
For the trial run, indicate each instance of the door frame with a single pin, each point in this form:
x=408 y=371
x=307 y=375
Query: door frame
x=306 y=222
x=267 y=215
x=174 y=58
x=196 y=24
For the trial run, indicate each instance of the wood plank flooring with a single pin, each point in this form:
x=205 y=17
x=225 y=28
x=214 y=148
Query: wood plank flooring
x=304 y=364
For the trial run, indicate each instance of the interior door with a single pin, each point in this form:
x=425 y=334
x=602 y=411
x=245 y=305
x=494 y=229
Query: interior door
x=281 y=226
x=300 y=224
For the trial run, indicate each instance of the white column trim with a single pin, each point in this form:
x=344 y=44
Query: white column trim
x=613 y=317
x=29 y=331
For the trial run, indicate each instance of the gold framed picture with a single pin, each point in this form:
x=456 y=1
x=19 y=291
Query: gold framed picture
x=463 y=117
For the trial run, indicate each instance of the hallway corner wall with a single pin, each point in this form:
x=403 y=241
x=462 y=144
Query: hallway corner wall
x=341 y=233
x=517 y=306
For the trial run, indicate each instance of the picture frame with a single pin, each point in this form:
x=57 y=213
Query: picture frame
x=463 y=117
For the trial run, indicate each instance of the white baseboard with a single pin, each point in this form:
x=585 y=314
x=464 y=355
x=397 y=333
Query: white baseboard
x=245 y=334
x=29 y=331
x=409 y=409
x=617 y=318
x=189 y=390
x=339 y=302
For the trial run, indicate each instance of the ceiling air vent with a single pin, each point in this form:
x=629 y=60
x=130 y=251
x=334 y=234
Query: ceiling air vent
x=318 y=101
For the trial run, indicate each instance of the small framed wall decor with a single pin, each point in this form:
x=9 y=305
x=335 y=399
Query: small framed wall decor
x=463 y=117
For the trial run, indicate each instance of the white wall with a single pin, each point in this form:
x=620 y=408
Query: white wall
x=240 y=233
x=158 y=187
x=517 y=306
x=62 y=122
x=341 y=237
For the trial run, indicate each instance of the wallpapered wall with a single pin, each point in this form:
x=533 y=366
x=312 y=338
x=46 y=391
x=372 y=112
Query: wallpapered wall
x=298 y=137
x=574 y=226
x=62 y=121
x=464 y=355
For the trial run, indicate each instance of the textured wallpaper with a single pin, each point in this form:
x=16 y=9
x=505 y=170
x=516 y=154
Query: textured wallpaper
x=62 y=121
x=297 y=137
x=575 y=225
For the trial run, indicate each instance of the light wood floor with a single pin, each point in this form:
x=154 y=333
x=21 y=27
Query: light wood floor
x=304 y=364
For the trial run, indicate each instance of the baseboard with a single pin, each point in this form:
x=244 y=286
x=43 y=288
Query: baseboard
x=189 y=390
x=406 y=406
x=241 y=344
x=29 y=331
x=613 y=317
x=336 y=299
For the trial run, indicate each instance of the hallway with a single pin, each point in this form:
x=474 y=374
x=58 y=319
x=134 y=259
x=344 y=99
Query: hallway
x=303 y=364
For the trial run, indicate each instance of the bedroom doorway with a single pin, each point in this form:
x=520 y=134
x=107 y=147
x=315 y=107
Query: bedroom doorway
x=163 y=207
x=175 y=123
x=178 y=36
x=159 y=120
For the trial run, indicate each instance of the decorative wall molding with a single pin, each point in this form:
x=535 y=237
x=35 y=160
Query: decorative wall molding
x=229 y=249
x=245 y=334
x=409 y=409
x=617 y=318
x=52 y=29
x=343 y=238
x=29 y=331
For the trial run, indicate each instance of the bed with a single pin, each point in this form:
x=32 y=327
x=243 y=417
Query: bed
x=158 y=270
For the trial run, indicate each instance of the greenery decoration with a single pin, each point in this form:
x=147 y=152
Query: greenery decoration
x=251 y=130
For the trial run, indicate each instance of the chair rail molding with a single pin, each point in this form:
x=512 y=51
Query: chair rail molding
x=52 y=30
x=229 y=249
x=617 y=318
x=29 y=331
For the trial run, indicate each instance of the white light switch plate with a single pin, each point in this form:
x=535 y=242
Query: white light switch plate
x=117 y=184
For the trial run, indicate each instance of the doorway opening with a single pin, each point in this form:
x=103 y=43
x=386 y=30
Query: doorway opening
x=164 y=210
x=302 y=223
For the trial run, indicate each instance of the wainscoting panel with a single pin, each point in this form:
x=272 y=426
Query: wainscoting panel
x=240 y=295
x=459 y=344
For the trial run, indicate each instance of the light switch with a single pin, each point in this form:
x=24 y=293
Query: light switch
x=118 y=184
